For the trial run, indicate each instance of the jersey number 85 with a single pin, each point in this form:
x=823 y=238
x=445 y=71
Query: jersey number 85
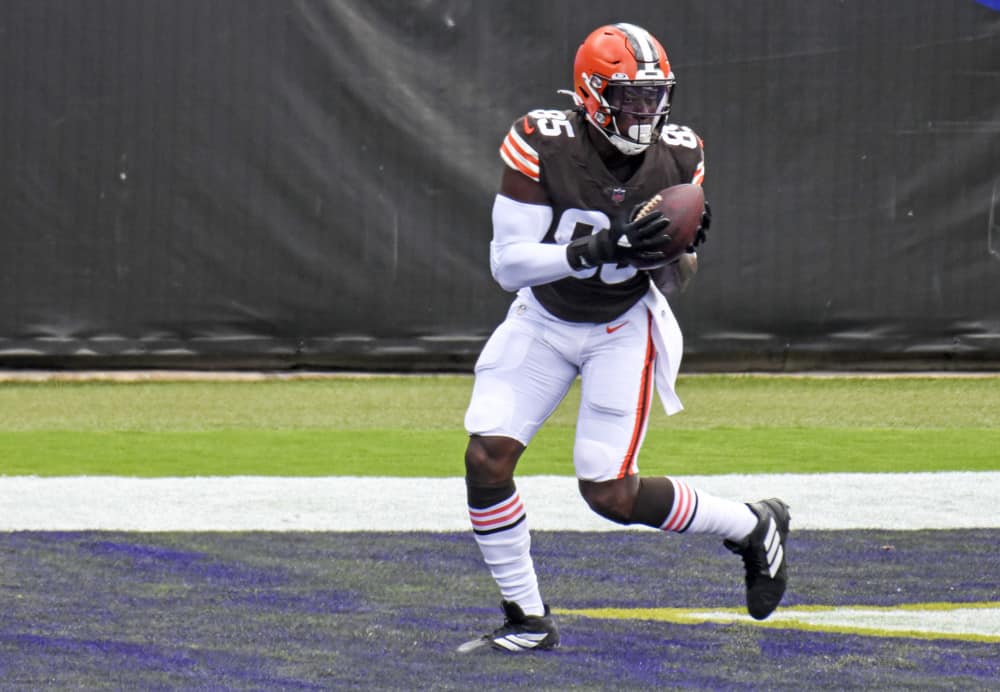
x=577 y=223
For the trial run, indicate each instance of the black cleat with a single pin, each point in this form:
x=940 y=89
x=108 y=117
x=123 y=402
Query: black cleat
x=519 y=632
x=763 y=553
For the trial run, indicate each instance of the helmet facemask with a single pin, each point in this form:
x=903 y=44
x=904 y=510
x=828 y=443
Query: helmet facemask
x=636 y=112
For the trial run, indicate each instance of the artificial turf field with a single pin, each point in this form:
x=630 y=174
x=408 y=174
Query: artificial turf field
x=412 y=427
x=318 y=610
x=271 y=611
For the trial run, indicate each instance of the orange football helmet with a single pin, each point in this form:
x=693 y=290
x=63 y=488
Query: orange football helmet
x=622 y=79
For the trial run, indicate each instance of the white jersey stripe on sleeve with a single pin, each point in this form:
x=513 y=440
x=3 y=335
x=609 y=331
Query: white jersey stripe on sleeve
x=699 y=173
x=520 y=155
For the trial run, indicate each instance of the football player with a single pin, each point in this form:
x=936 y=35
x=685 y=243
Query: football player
x=590 y=286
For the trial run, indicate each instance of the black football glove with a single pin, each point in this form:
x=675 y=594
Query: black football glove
x=701 y=236
x=626 y=241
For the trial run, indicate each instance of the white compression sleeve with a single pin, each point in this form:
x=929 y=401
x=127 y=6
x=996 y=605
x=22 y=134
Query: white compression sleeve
x=518 y=258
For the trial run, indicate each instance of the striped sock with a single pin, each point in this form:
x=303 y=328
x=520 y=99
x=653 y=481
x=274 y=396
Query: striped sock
x=501 y=531
x=684 y=508
x=696 y=511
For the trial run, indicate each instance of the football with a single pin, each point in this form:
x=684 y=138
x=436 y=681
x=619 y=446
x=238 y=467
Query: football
x=683 y=205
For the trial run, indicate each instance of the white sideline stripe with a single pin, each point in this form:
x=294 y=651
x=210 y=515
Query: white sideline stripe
x=970 y=621
x=255 y=503
x=983 y=622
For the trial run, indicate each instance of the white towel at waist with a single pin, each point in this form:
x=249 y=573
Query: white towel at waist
x=669 y=344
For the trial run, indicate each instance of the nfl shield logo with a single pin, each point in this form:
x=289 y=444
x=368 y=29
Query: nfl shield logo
x=617 y=195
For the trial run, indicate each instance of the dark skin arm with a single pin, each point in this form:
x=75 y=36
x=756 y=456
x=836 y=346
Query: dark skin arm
x=521 y=188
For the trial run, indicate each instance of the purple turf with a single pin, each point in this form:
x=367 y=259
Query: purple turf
x=386 y=611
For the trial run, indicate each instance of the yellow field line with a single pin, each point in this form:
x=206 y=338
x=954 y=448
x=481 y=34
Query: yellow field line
x=853 y=619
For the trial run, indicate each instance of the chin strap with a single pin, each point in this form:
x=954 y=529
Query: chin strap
x=623 y=145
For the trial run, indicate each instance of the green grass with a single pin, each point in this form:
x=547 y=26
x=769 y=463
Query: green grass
x=413 y=427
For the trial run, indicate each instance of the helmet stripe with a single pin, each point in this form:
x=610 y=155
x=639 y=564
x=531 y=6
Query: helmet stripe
x=641 y=43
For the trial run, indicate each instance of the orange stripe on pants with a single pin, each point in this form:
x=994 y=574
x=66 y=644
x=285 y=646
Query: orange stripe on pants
x=642 y=406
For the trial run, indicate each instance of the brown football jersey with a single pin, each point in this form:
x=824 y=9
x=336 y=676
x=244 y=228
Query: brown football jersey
x=551 y=147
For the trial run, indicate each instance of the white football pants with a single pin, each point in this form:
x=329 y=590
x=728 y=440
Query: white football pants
x=532 y=358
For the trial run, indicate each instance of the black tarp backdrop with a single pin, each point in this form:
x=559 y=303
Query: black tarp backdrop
x=250 y=183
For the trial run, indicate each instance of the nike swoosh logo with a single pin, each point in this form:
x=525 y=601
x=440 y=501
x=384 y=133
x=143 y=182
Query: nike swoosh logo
x=528 y=128
x=611 y=329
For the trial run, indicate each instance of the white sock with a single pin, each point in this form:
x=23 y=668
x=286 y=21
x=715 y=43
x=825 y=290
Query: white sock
x=501 y=532
x=696 y=511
